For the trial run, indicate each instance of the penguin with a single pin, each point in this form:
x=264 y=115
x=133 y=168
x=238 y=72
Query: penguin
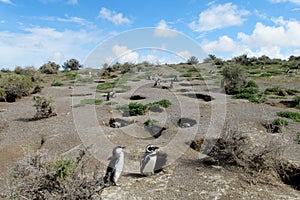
x=115 y=167
x=148 y=161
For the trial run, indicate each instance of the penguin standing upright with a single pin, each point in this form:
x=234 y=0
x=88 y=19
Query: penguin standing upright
x=148 y=161
x=115 y=167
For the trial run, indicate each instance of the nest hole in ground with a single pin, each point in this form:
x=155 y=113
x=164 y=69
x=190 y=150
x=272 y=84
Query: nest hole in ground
x=204 y=97
x=155 y=131
x=271 y=128
x=186 y=122
x=189 y=84
x=290 y=175
x=137 y=97
x=118 y=123
x=156 y=109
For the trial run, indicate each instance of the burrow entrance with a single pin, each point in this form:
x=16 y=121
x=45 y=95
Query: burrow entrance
x=186 y=122
x=290 y=175
x=137 y=97
x=204 y=97
x=118 y=123
x=154 y=130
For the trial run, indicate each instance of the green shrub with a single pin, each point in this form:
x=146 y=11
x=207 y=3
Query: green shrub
x=280 y=122
x=16 y=86
x=275 y=89
x=57 y=83
x=297 y=101
x=71 y=75
x=49 y=68
x=103 y=87
x=164 y=103
x=150 y=122
x=88 y=102
x=266 y=75
x=249 y=90
x=64 y=167
x=291 y=115
x=292 y=91
x=252 y=84
x=189 y=74
x=234 y=78
x=44 y=107
x=111 y=103
x=137 y=109
x=2 y=94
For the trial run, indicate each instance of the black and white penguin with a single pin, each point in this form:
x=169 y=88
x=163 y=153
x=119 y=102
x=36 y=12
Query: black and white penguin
x=115 y=166
x=148 y=161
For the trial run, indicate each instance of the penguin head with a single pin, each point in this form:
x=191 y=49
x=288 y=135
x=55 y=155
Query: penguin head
x=151 y=148
x=118 y=150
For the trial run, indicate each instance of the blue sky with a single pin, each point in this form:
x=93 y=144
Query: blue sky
x=33 y=32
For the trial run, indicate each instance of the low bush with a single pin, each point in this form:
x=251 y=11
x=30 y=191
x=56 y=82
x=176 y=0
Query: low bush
x=16 y=86
x=297 y=101
x=280 y=122
x=164 y=103
x=150 y=122
x=234 y=79
x=57 y=83
x=44 y=107
x=137 y=109
x=49 y=68
x=189 y=74
x=39 y=177
x=291 y=115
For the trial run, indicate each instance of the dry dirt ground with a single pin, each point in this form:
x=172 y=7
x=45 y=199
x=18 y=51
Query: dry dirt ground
x=185 y=176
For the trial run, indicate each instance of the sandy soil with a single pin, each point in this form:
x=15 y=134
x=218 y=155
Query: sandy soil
x=185 y=177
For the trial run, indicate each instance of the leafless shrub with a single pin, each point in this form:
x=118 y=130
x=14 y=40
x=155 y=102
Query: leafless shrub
x=39 y=178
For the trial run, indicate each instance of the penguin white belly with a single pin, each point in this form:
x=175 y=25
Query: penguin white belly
x=119 y=168
x=149 y=166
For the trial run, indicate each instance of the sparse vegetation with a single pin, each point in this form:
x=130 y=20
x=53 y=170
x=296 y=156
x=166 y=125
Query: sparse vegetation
x=56 y=84
x=88 y=102
x=291 y=115
x=150 y=122
x=136 y=109
x=164 y=103
x=111 y=103
x=189 y=74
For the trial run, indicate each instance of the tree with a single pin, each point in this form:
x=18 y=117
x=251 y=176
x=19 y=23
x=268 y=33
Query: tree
x=72 y=64
x=49 y=68
x=193 y=60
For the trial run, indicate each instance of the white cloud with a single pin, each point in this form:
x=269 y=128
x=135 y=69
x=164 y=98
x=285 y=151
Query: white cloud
x=162 y=30
x=67 y=19
x=123 y=54
x=7 y=2
x=220 y=16
x=283 y=1
x=224 y=44
x=284 y=35
x=184 y=54
x=37 y=46
x=114 y=17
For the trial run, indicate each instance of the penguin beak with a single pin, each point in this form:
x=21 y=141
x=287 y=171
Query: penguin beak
x=123 y=147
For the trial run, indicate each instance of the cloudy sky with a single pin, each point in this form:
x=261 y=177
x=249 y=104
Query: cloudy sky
x=33 y=32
